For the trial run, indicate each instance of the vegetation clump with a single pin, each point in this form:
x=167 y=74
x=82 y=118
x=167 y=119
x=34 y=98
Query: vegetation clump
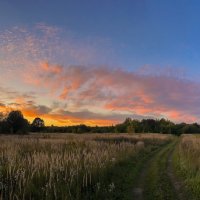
x=15 y=123
x=187 y=165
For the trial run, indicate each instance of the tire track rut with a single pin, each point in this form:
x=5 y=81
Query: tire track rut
x=176 y=187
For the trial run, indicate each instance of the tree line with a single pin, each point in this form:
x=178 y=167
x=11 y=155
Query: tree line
x=15 y=123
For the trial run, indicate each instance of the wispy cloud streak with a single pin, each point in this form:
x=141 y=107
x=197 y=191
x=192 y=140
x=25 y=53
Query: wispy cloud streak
x=119 y=90
x=60 y=69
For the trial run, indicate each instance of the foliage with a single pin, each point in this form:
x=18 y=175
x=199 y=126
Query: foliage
x=16 y=123
x=37 y=125
x=132 y=126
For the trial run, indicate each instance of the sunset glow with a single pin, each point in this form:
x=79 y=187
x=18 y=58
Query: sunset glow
x=70 y=76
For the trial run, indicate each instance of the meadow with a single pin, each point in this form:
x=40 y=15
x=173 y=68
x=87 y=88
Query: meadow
x=187 y=164
x=72 y=166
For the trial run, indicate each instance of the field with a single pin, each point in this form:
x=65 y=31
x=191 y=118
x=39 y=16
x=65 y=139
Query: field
x=99 y=166
x=187 y=164
x=61 y=166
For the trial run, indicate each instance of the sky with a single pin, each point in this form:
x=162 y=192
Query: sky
x=99 y=62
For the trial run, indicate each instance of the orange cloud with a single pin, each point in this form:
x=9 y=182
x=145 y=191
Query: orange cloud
x=62 y=118
x=28 y=63
x=118 y=90
x=51 y=69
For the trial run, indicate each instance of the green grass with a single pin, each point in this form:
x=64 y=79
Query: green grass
x=125 y=175
x=157 y=183
x=185 y=172
x=74 y=168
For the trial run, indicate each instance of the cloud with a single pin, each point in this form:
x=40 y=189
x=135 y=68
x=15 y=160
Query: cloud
x=8 y=95
x=118 y=90
x=114 y=94
x=22 y=47
x=58 y=112
x=2 y=106
x=61 y=116
x=70 y=88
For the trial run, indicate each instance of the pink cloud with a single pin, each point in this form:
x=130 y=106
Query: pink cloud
x=31 y=59
x=119 y=90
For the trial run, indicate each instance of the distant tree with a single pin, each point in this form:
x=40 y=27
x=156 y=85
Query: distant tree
x=130 y=128
x=82 y=129
x=165 y=126
x=129 y=125
x=37 y=125
x=17 y=123
x=128 y=121
x=3 y=123
x=121 y=128
x=4 y=127
x=191 y=128
x=2 y=116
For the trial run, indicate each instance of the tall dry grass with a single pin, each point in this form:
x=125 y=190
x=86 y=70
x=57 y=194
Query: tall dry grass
x=63 y=166
x=187 y=163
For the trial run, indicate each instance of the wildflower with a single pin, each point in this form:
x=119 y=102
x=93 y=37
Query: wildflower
x=111 y=187
x=98 y=186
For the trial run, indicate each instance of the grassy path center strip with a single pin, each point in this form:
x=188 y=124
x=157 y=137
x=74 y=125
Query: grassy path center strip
x=157 y=180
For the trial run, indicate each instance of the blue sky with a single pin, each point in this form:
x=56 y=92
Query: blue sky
x=141 y=32
x=100 y=61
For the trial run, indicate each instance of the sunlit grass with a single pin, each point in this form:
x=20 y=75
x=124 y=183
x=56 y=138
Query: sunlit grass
x=64 y=166
x=187 y=163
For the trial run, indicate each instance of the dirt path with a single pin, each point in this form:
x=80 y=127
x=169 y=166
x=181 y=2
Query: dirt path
x=157 y=179
x=138 y=190
x=177 y=184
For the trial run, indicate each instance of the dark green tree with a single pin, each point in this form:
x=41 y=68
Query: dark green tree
x=37 y=125
x=17 y=123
